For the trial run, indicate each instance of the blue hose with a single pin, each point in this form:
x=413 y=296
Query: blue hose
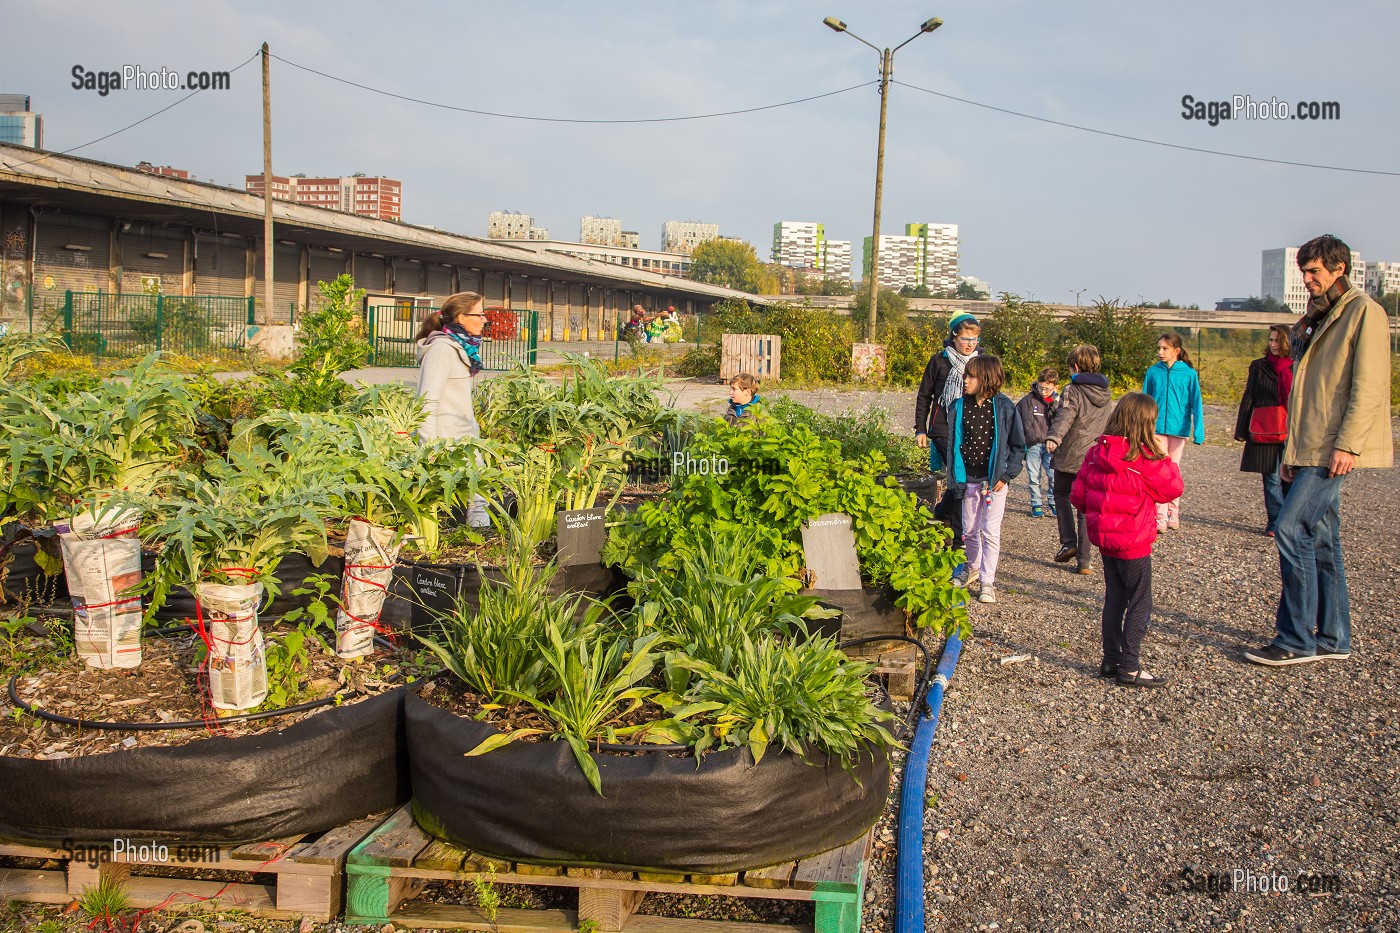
x=909 y=864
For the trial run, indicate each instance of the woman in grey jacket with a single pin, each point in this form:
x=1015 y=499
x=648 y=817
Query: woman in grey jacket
x=449 y=357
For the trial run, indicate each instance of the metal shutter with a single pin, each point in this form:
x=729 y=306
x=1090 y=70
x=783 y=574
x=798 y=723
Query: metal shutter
x=286 y=273
x=77 y=270
x=495 y=290
x=539 y=299
x=408 y=277
x=439 y=283
x=369 y=273
x=168 y=264
x=323 y=266
x=221 y=266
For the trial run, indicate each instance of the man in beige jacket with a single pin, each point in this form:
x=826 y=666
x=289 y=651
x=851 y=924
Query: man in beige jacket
x=1338 y=421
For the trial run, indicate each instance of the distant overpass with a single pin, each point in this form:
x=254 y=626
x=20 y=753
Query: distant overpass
x=1175 y=318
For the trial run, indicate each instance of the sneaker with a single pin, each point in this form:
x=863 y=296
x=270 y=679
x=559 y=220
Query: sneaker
x=1066 y=554
x=1085 y=571
x=1274 y=656
x=1173 y=525
x=968 y=577
x=1161 y=528
x=1052 y=509
x=988 y=595
x=1324 y=654
x=1037 y=512
x=1108 y=669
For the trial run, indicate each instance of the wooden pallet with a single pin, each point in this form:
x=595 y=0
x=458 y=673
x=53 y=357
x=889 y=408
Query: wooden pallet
x=759 y=355
x=394 y=863
x=309 y=872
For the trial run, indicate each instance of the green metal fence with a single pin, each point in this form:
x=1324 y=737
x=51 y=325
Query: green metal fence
x=115 y=325
x=512 y=337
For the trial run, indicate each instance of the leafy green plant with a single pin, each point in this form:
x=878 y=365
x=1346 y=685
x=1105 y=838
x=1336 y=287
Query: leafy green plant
x=332 y=340
x=779 y=477
x=288 y=663
x=860 y=432
x=105 y=901
x=798 y=695
x=180 y=323
x=487 y=897
x=15 y=348
x=599 y=683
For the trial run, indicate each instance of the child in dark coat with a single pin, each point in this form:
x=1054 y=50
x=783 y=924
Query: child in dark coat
x=987 y=447
x=1036 y=409
x=1125 y=475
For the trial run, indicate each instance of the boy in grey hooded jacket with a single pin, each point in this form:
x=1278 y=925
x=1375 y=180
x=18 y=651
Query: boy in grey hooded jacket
x=1085 y=405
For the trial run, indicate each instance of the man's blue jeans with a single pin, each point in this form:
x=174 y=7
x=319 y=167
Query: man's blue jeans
x=1275 y=489
x=1313 y=613
x=1037 y=462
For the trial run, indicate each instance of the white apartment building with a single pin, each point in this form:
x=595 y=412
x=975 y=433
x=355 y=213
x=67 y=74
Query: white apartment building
x=1282 y=280
x=600 y=231
x=799 y=244
x=1382 y=278
x=982 y=285
x=512 y=225
x=682 y=236
x=838 y=259
x=927 y=254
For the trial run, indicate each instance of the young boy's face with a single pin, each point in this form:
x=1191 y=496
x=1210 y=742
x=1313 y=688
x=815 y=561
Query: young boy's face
x=966 y=340
x=969 y=384
x=739 y=395
x=1047 y=389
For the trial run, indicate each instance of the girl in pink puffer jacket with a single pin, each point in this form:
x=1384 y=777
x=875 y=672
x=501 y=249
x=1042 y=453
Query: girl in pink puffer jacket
x=1124 y=475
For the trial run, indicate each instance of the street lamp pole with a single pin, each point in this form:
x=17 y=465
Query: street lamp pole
x=1077 y=293
x=886 y=72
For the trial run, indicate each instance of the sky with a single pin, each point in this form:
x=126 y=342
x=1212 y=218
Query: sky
x=1044 y=211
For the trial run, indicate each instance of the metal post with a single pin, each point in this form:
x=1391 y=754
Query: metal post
x=886 y=65
x=269 y=244
x=68 y=320
x=534 y=337
x=160 y=323
x=373 y=344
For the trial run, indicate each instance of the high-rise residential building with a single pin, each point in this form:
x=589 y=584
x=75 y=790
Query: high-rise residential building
x=682 y=236
x=1282 y=280
x=1382 y=278
x=631 y=239
x=164 y=170
x=600 y=231
x=803 y=245
x=927 y=254
x=981 y=285
x=19 y=124
x=512 y=225
x=367 y=195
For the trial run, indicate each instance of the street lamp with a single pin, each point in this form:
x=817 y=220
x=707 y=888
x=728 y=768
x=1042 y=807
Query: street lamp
x=886 y=71
x=1077 y=293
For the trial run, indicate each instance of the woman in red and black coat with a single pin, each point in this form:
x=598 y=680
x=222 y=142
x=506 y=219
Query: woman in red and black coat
x=1269 y=383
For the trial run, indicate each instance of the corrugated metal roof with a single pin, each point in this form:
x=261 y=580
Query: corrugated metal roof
x=29 y=171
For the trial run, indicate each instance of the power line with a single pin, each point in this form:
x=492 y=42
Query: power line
x=534 y=119
x=1139 y=139
x=130 y=125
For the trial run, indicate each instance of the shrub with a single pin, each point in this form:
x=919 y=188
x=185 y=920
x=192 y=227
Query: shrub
x=816 y=343
x=860 y=432
x=909 y=347
x=332 y=340
x=1126 y=338
x=1023 y=335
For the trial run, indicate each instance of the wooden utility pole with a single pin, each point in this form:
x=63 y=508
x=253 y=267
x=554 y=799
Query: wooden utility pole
x=269 y=244
x=886 y=71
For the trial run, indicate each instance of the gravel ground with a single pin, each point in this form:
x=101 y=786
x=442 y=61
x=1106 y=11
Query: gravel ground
x=1060 y=802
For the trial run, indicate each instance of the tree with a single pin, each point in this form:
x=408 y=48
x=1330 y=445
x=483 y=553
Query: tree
x=1126 y=338
x=1269 y=305
x=729 y=264
x=969 y=292
x=836 y=286
x=891 y=312
x=1022 y=334
x=1391 y=302
x=914 y=291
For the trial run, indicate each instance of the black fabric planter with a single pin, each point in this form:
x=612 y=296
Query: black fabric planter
x=341 y=764
x=530 y=801
x=925 y=487
x=24 y=580
x=291 y=572
x=421 y=590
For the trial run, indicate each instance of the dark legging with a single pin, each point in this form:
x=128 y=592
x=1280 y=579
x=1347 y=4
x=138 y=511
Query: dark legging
x=1127 y=605
x=1074 y=530
x=949 y=508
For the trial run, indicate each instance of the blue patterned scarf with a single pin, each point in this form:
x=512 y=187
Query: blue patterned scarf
x=470 y=345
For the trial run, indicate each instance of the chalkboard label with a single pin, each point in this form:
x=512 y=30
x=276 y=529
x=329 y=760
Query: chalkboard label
x=829 y=543
x=437 y=592
x=581 y=536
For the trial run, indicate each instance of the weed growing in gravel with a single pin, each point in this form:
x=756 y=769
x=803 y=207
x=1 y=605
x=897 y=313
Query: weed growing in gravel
x=487 y=898
x=105 y=902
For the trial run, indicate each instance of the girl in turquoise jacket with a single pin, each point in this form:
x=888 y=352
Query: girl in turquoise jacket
x=1173 y=384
